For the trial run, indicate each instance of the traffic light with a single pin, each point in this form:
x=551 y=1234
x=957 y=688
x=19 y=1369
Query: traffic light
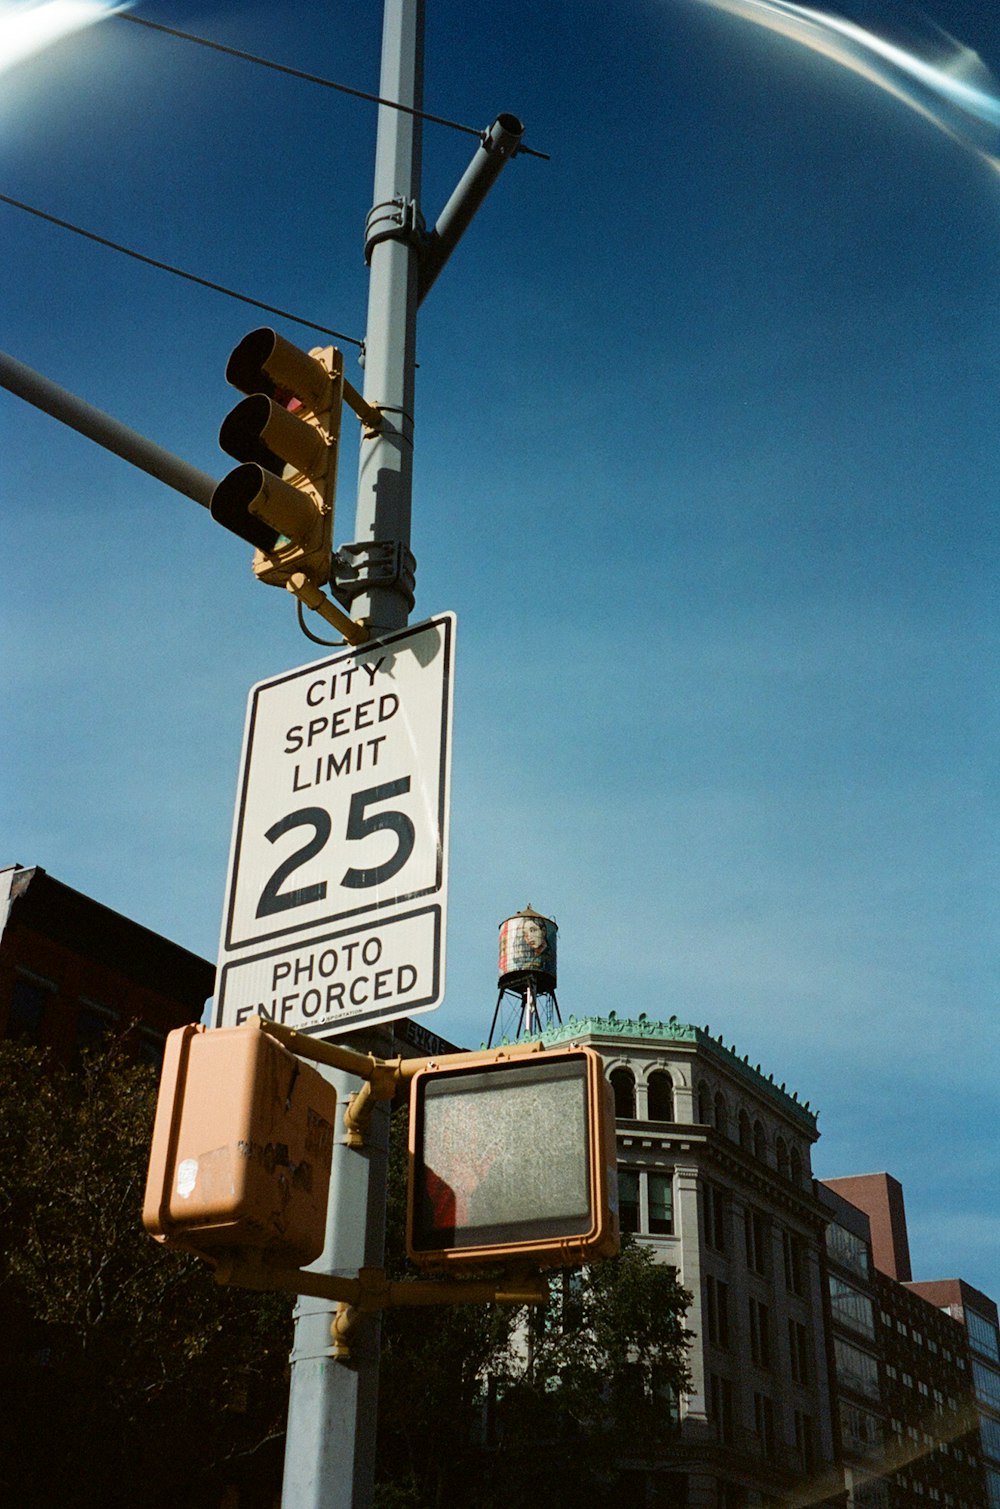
x=512 y=1161
x=286 y=433
x=242 y=1144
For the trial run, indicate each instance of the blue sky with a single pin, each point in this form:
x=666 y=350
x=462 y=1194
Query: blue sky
x=705 y=464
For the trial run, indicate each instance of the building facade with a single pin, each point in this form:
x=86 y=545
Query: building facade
x=856 y=1374
x=941 y=1396
x=976 y=1313
x=820 y=1372
x=715 y=1176
x=74 y=972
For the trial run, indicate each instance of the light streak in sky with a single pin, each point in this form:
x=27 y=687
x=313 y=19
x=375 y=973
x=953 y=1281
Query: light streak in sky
x=27 y=26
x=941 y=79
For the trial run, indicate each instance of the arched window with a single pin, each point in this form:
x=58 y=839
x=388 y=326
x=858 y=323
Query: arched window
x=661 y=1096
x=795 y=1162
x=746 y=1132
x=623 y=1084
x=759 y=1142
x=721 y=1117
x=784 y=1166
x=704 y=1106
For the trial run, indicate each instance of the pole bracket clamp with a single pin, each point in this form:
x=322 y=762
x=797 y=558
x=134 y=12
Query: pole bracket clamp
x=373 y=563
x=394 y=220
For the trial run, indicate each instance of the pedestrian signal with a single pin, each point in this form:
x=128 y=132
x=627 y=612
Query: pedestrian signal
x=242 y=1144
x=512 y=1161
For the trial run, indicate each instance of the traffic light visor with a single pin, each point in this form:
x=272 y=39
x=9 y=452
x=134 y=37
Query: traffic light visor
x=264 y=362
x=511 y=1160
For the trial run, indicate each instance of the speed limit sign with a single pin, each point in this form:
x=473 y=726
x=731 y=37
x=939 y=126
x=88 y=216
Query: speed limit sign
x=335 y=901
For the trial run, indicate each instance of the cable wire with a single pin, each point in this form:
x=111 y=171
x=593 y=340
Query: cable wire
x=315 y=78
x=178 y=272
x=330 y=644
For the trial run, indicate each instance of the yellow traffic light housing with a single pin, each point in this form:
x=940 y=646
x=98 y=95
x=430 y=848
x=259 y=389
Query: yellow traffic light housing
x=512 y=1162
x=286 y=433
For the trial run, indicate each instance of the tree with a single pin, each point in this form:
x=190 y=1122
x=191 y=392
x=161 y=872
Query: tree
x=484 y=1406
x=128 y=1375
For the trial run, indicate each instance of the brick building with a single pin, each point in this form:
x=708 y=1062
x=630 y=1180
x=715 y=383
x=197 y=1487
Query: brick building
x=939 y=1368
x=73 y=971
x=976 y=1313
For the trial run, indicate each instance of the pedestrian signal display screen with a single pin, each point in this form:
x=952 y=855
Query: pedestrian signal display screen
x=508 y=1159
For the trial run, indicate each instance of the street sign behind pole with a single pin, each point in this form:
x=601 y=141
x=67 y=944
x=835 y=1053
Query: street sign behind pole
x=336 y=897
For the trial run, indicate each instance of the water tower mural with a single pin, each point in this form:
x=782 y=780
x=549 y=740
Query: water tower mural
x=526 y=1002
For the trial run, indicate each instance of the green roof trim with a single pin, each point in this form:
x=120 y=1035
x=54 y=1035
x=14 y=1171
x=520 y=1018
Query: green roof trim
x=674 y=1031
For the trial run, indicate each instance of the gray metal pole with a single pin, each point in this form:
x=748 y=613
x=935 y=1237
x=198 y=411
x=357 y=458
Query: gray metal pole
x=104 y=430
x=330 y=1447
x=497 y=147
x=385 y=473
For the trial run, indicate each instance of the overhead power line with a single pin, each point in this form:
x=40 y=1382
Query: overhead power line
x=178 y=272
x=314 y=78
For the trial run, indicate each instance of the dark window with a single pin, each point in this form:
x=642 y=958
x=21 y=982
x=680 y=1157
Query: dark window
x=704 y=1106
x=781 y=1149
x=847 y=1249
x=746 y=1131
x=763 y=1417
x=628 y=1199
x=793 y=1251
x=661 y=1097
x=756 y=1231
x=720 y=1404
x=623 y=1084
x=858 y=1370
x=665 y=1390
x=804 y=1439
x=798 y=1348
x=759 y=1142
x=94 y=1024
x=717 y=1311
x=27 y=1010
x=982 y=1335
x=760 y=1333
x=850 y=1307
x=714 y=1217
x=986 y=1382
x=721 y=1118
x=660 y=1190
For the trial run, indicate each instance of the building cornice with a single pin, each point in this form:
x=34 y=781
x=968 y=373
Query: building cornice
x=648 y=1030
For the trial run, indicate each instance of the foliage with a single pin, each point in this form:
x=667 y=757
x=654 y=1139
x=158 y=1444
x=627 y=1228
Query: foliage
x=484 y=1407
x=128 y=1375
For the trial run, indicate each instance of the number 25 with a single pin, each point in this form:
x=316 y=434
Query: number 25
x=360 y=824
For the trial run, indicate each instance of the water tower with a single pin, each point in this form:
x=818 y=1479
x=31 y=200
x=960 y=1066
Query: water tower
x=526 y=1003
